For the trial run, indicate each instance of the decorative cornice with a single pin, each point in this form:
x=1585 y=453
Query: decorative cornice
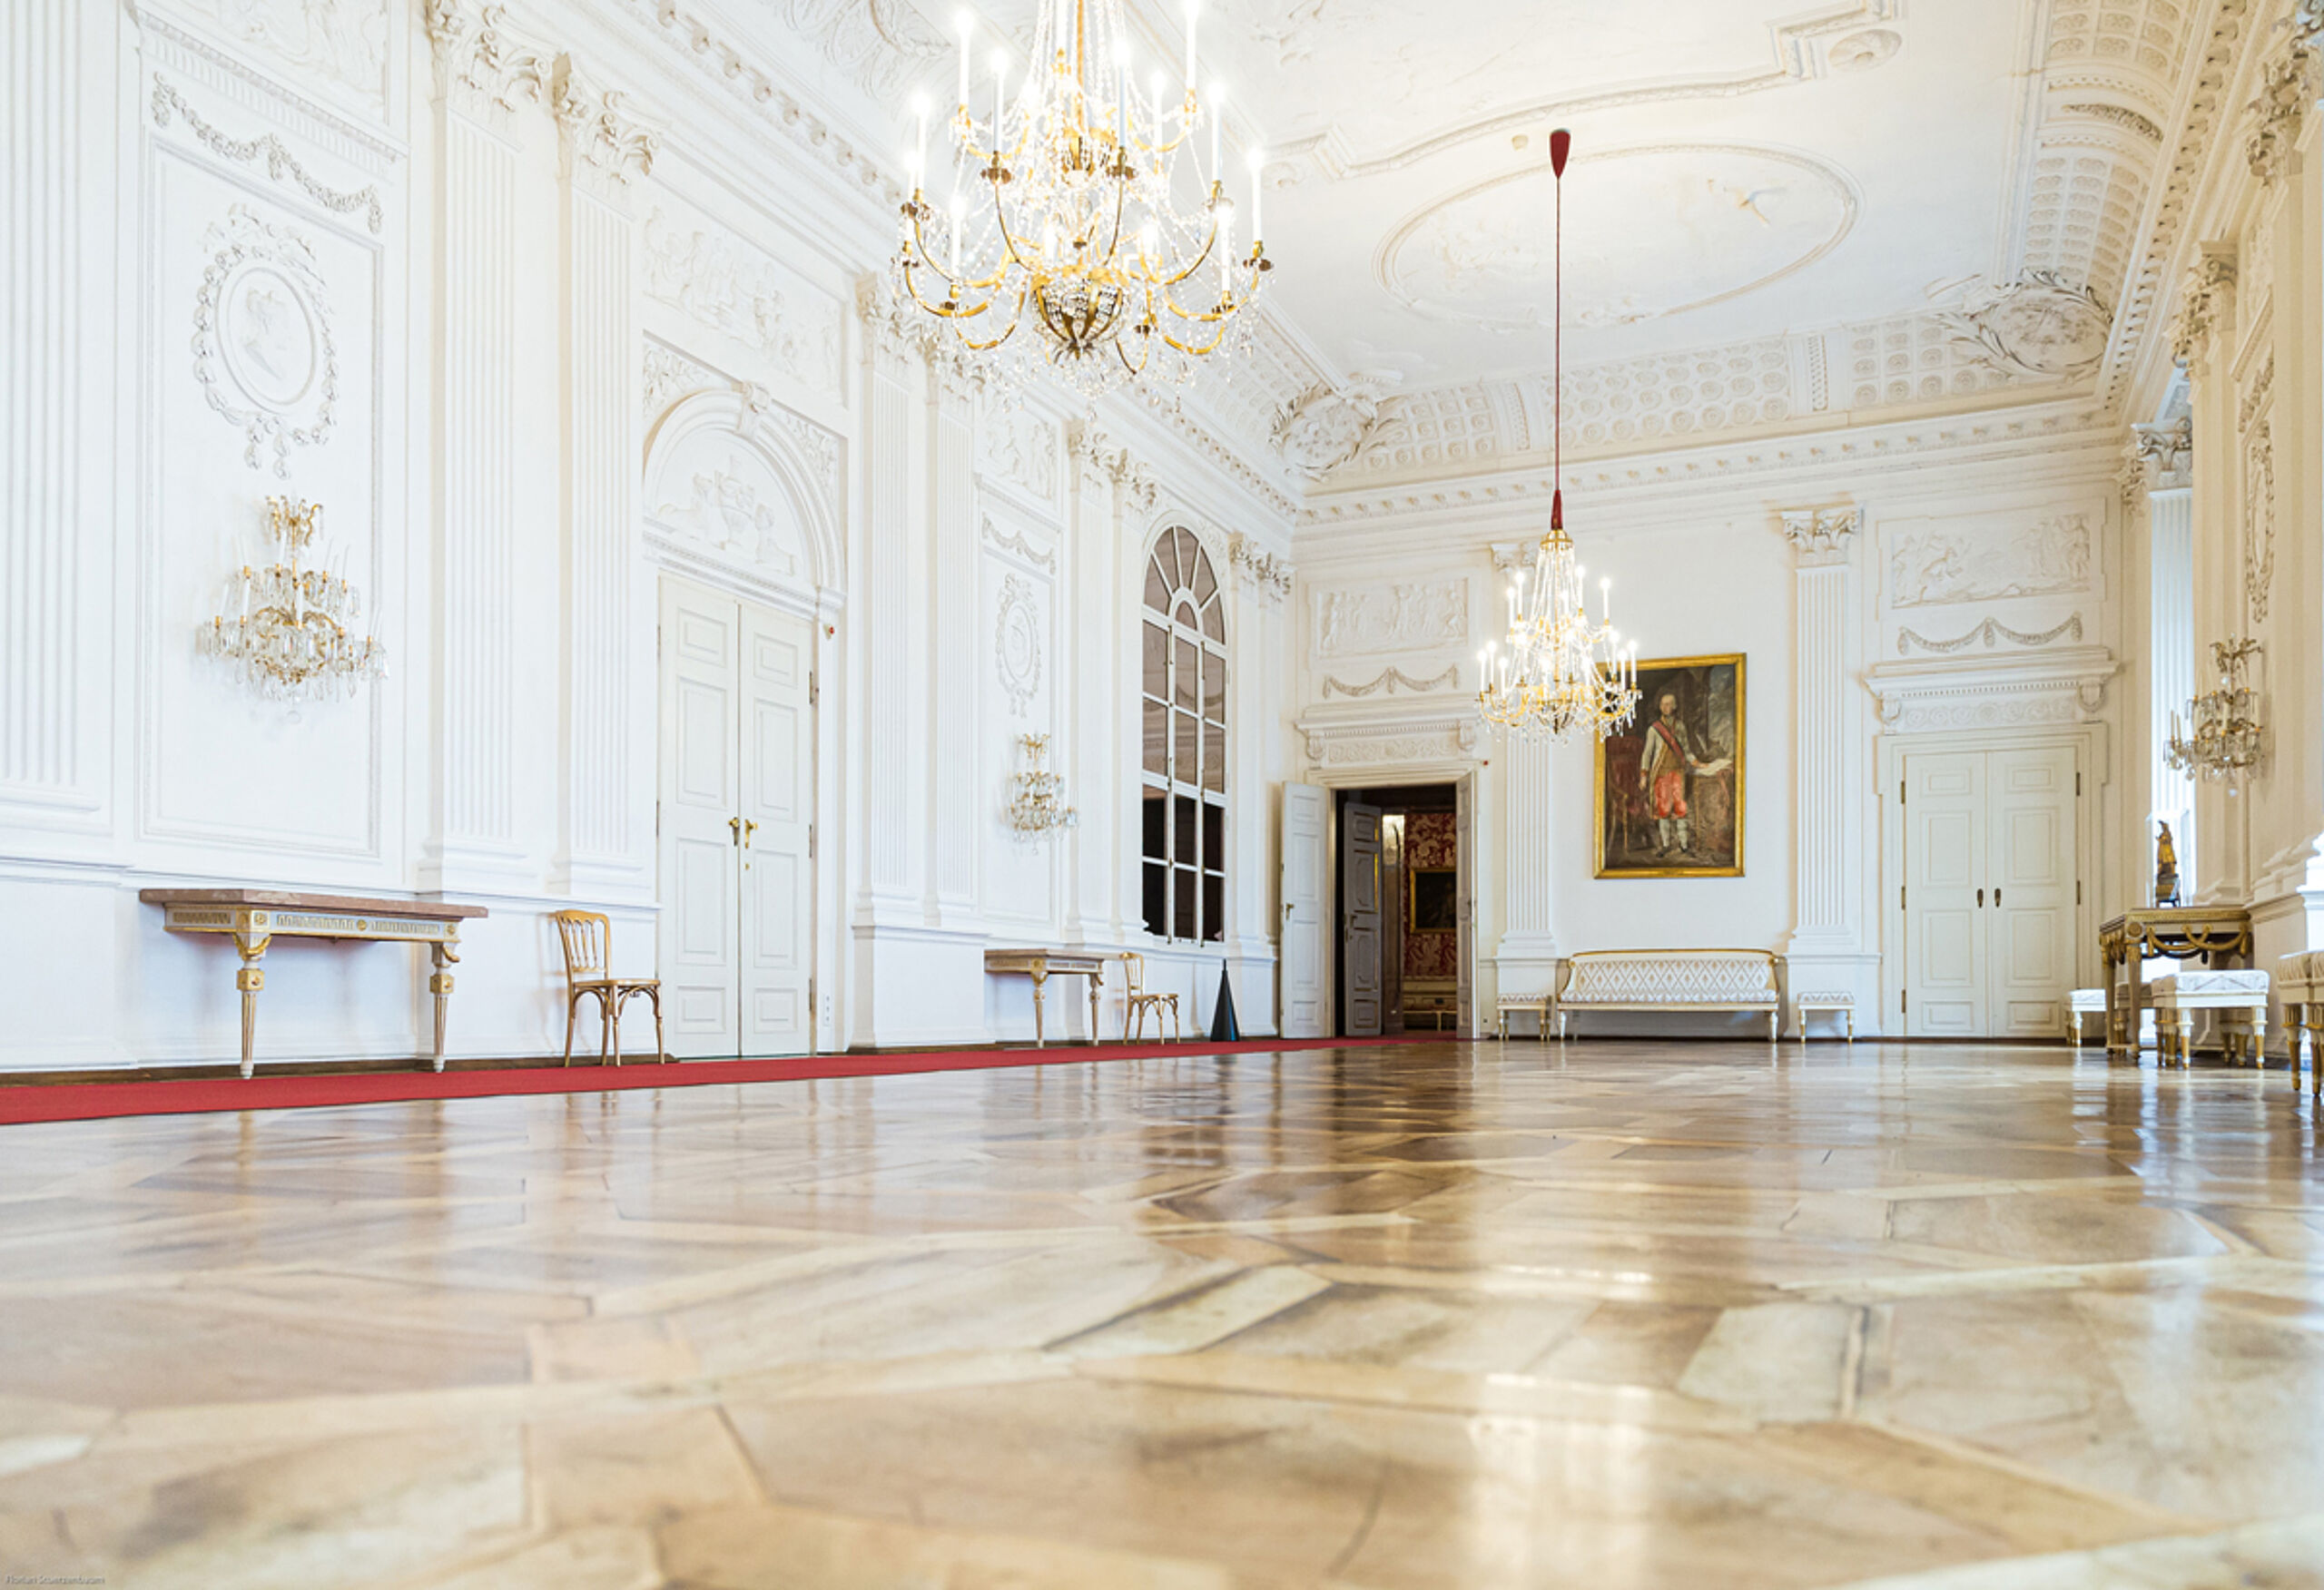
x=1822 y=536
x=281 y=165
x=721 y=62
x=2064 y=684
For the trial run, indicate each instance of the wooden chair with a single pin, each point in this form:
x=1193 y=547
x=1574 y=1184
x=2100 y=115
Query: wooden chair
x=587 y=937
x=1140 y=1002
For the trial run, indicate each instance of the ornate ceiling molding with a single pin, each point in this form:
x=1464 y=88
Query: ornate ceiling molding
x=1797 y=56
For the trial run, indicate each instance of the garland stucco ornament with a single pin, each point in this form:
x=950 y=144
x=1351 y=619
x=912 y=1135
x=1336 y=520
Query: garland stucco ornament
x=1327 y=427
x=2041 y=327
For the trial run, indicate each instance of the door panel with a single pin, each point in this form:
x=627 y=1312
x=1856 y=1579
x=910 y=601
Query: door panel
x=1303 y=839
x=701 y=959
x=1360 y=919
x=738 y=901
x=778 y=760
x=1944 y=926
x=2032 y=872
x=1990 y=856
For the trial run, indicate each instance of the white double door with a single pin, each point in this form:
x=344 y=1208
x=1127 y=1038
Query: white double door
x=1991 y=839
x=737 y=835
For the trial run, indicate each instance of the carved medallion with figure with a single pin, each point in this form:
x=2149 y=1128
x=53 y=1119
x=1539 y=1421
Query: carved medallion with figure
x=262 y=348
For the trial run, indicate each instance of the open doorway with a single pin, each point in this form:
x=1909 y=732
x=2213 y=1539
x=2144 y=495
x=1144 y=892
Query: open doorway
x=1401 y=882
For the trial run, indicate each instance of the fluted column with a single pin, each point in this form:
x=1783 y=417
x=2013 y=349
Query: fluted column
x=1827 y=941
x=2163 y=454
x=610 y=734
x=1255 y=685
x=2205 y=322
x=894 y=658
x=55 y=526
x=1100 y=699
x=484 y=76
x=956 y=816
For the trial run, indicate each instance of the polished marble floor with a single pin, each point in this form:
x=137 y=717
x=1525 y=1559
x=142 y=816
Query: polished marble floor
x=1616 y=1315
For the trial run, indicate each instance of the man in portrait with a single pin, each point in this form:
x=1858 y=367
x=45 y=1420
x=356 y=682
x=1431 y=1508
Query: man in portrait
x=1671 y=752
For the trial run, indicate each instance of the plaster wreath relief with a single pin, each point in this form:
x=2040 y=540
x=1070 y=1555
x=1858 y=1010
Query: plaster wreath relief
x=883 y=45
x=1392 y=618
x=1017 y=643
x=711 y=279
x=1325 y=426
x=281 y=165
x=2042 y=327
x=1929 y=566
x=263 y=348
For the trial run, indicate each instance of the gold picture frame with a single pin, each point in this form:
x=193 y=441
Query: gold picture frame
x=1645 y=826
x=1435 y=908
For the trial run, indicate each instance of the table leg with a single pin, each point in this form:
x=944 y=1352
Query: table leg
x=440 y=983
x=1039 y=978
x=250 y=979
x=1096 y=987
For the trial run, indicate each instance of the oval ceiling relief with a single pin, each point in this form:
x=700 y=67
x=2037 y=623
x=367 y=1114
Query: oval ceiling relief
x=1648 y=232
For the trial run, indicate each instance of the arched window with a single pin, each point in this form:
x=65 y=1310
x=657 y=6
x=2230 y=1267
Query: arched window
x=1185 y=808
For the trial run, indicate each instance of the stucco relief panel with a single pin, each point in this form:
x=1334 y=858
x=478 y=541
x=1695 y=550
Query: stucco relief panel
x=1019 y=448
x=1359 y=621
x=343 y=43
x=725 y=285
x=1934 y=563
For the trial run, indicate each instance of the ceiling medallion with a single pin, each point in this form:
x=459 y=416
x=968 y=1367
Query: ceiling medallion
x=1079 y=230
x=1561 y=672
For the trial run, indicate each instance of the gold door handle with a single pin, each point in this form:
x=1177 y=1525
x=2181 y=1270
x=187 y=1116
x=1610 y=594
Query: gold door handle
x=735 y=825
x=749 y=827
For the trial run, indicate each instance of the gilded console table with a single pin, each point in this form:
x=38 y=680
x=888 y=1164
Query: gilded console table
x=2216 y=933
x=255 y=918
x=1041 y=965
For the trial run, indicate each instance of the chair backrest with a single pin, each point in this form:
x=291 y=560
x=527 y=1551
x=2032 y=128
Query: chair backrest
x=587 y=937
x=1134 y=970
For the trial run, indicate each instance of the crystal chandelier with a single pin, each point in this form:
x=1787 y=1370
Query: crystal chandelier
x=2226 y=741
x=1079 y=230
x=291 y=642
x=1037 y=796
x=1559 y=672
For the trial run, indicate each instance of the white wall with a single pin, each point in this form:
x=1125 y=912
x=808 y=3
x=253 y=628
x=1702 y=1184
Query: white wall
x=507 y=252
x=1387 y=695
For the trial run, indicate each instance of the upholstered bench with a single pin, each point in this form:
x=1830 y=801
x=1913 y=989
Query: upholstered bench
x=2299 y=988
x=1840 y=1002
x=1538 y=1003
x=2240 y=997
x=1673 y=980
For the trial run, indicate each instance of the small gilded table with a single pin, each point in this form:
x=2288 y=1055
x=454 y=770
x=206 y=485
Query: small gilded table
x=1041 y=965
x=2216 y=933
x=255 y=918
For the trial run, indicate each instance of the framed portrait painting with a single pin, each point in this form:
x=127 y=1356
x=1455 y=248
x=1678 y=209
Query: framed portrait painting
x=1670 y=785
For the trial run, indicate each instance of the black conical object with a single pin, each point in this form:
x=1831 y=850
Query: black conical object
x=1223 y=1029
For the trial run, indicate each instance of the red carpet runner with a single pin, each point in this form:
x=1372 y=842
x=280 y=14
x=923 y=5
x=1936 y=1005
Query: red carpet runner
x=99 y=1100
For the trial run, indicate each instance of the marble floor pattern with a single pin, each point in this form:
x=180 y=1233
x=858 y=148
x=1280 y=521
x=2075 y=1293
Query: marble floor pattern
x=1612 y=1315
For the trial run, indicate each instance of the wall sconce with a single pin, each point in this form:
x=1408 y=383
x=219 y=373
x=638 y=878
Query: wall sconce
x=1036 y=795
x=289 y=638
x=2226 y=741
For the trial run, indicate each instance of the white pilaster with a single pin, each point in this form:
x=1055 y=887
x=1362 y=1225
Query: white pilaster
x=2205 y=322
x=1825 y=947
x=55 y=520
x=610 y=735
x=1100 y=697
x=2170 y=640
x=484 y=76
x=955 y=814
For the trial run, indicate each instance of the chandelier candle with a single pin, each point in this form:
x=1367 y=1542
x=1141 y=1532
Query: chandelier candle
x=1066 y=245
